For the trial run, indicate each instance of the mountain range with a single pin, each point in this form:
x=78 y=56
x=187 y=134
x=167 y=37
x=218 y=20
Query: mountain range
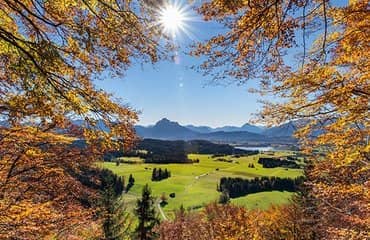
x=170 y=130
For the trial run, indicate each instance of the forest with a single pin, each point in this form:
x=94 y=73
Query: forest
x=237 y=187
x=276 y=162
x=166 y=151
x=159 y=174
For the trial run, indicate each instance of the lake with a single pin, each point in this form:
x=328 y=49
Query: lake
x=262 y=149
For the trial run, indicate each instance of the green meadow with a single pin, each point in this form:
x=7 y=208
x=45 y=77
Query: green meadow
x=195 y=184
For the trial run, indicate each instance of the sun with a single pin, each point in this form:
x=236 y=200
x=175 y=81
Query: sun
x=173 y=19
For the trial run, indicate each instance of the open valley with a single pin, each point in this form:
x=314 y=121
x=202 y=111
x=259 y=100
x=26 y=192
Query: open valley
x=195 y=184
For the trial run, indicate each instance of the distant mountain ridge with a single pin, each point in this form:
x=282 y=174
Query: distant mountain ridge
x=166 y=129
x=170 y=130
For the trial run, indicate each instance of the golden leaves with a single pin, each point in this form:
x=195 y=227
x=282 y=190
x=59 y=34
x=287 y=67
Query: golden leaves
x=329 y=91
x=50 y=52
x=237 y=223
x=38 y=188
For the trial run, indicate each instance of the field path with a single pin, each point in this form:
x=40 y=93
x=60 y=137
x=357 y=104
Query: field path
x=161 y=211
x=196 y=178
x=205 y=174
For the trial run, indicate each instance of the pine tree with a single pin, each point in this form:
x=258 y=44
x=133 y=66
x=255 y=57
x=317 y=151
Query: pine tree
x=146 y=215
x=119 y=185
x=116 y=221
x=123 y=183
x=154 y=174
x=115 y=218
x=131 y=182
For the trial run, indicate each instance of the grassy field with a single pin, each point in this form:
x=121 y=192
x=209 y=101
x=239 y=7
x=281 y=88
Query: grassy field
x=195 y=184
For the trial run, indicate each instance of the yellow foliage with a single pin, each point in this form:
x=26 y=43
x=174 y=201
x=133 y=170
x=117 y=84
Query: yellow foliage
x=50 y=51
x=327 y=90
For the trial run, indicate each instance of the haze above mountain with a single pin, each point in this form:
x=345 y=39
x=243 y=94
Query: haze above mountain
x=246 y=127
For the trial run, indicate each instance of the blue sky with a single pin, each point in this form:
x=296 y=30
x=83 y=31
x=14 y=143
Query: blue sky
x=173 y=90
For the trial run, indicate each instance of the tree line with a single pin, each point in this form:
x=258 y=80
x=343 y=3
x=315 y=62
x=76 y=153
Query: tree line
x=159 y=174
x=165 y=151
x=273 y=163
x=237 y=187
